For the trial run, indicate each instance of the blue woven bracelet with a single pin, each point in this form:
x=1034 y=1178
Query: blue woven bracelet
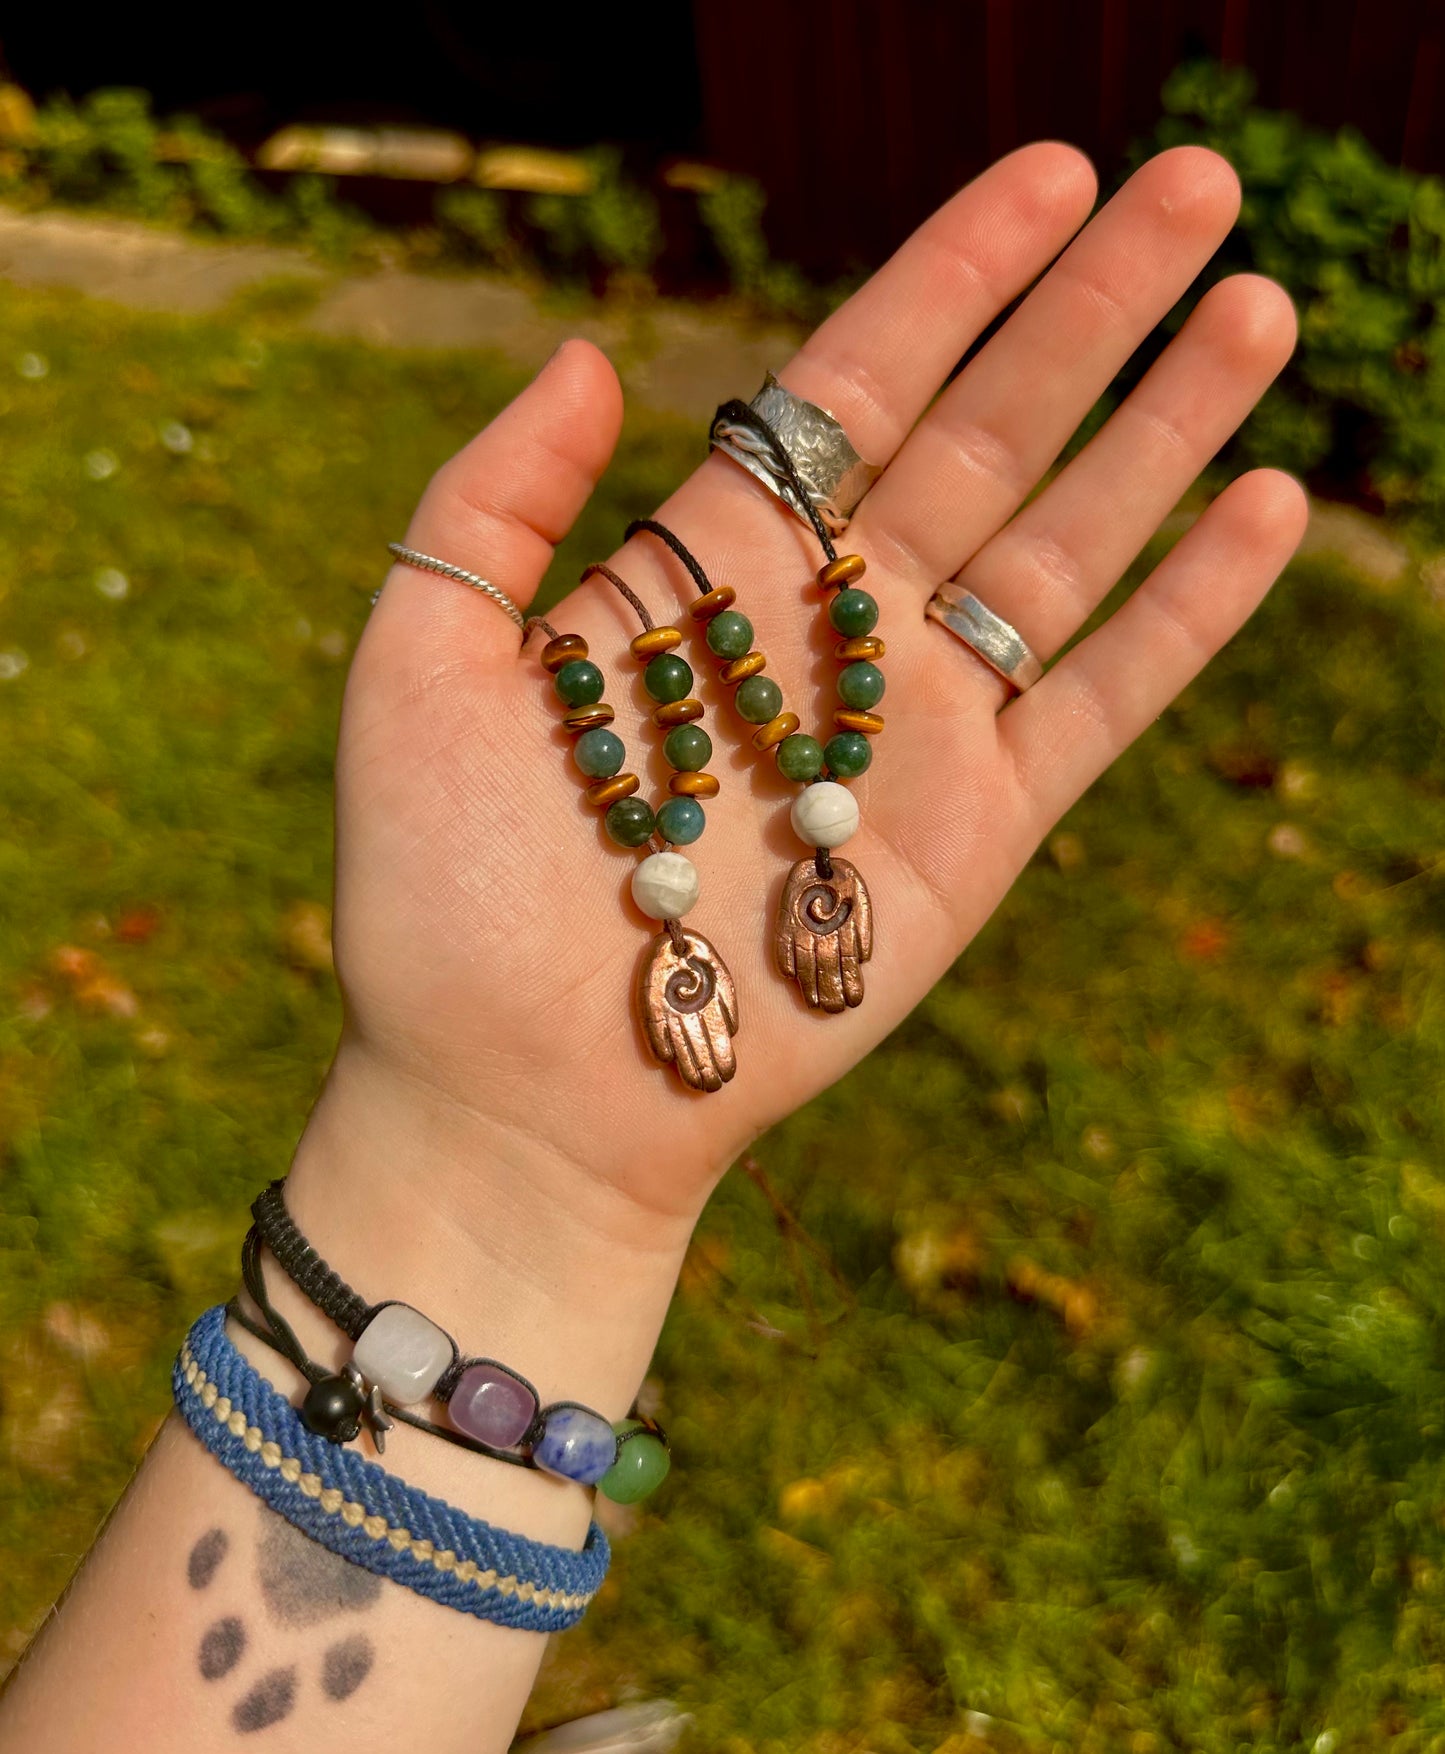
x=367 y=1515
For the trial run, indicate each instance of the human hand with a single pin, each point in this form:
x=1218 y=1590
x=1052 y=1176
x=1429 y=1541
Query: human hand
x=486 y=940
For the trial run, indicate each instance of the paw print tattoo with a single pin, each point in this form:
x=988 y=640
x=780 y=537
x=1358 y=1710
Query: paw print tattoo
x=301 y=1585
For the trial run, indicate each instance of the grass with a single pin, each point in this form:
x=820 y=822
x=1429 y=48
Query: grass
x=1096 y=1400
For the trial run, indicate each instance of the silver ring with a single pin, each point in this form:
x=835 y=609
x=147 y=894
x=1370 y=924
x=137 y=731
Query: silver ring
x=835 y=476
x=429 y=563
x=988 y=636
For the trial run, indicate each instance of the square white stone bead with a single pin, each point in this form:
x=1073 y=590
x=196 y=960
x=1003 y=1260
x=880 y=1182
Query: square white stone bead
x=402 y=1353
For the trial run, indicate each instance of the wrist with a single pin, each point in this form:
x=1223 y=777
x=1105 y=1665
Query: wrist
x=494 y=1239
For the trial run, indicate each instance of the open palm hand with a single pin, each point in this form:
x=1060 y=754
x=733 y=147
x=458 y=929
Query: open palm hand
x=486 y=938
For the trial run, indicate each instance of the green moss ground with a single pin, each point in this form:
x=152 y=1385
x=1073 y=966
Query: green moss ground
x=1127 y=1431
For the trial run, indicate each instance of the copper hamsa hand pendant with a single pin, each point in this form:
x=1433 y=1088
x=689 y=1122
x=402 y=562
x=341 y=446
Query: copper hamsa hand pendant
x=689 y=1009
x=824 y=934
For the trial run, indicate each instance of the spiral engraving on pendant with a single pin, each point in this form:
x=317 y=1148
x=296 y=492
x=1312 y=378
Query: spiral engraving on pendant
x=823 y=910
x=690 y=986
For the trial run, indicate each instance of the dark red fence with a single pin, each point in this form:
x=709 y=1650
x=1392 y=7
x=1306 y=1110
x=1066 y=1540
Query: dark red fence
x=860 y=118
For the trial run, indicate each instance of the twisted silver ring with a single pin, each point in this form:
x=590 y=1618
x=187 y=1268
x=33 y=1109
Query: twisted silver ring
x=429 y=563
x=988 y=636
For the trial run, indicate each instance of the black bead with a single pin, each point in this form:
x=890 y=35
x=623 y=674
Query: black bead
x=332 y=1409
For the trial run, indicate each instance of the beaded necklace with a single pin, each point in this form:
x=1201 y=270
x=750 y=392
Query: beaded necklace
x=686 y=1001
x=824 y=928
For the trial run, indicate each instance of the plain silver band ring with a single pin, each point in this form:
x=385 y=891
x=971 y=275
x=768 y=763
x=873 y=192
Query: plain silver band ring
x=988 y=636
x=429 y=563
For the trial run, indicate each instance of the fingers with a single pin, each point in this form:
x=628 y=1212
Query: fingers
x=981 y=450
x=1062 y=734
x=1052 y=565
x=498 y=508
x=879 y=359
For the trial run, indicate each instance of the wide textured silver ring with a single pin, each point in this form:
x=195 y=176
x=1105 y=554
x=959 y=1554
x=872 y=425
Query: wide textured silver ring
x=835 y=476
x=429 y=563
x=988 y=636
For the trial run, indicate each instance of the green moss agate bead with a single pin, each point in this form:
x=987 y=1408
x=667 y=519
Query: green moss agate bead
x=730 y=635
x=599 y=753
x=579 y=683
x=861 y=685
x=630 y=822
x=688 y=748
x=848 y=754
x=641 y=1467
x=800 y=757
x=681 y=821
x=758 y=699
x=853 y=613
x=668 y=678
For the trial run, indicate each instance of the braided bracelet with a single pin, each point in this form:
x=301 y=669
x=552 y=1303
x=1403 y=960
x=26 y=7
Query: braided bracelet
x=359 y=1511
x=401 y=1358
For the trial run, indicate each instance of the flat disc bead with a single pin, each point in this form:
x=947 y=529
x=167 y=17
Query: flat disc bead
x=665 y=886
x=696 y=785
x=848 y=754
x=825 y=815
x=579 y=683
x=668 y=678
x=847 y=569
x=688 y=748
x=677 y=712
x=577 y=1444
x=604 y=792
x=641 y=1467
x=770 y=735
x=588 y=718
x=492 y=1405
x=853 y=613
x=750 y=664
x=599 y=753
x=861 y=685
x=713 y=603
x=800 y=757
x=681 y=821
x=402 y=1353
x=630 y=822
x=655 y=640
x=730 y=635
x=866 y=649
x=758 y=699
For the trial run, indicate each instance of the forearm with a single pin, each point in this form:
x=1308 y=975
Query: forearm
x=409 y=1202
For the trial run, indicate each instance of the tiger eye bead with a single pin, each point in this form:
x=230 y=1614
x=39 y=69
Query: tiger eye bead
x=714 y=602
x=867 y=650
x=678 y=712
x=588 y=718
x=847 y=569
x=655 y=641
x=770 y=735
x=605 y=792
x=694 y=785
x=751 y=664
x=846 y=719
x=567 y=648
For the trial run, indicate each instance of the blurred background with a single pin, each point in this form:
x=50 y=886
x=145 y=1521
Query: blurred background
x=1072 y=1375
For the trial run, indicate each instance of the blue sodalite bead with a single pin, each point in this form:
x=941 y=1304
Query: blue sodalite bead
x=576 y=1444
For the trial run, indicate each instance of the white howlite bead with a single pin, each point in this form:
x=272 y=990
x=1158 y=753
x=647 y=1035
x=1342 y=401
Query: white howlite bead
x=665 y=886
x=825 y=815
x=402 y=1353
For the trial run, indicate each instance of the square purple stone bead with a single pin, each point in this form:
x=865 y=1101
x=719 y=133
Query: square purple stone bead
x=576 y=1444
x=492 y=1405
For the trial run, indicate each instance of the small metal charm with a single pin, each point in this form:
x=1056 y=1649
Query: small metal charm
x=689 y=1008
x=824 y=933
x=372 y=1409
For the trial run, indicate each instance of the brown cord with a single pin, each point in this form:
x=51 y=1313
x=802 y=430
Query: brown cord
x=627 y=591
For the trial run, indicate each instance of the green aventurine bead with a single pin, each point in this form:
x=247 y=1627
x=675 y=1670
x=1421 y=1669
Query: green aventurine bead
x=579 y=683
x=730 y=635
x=853 y=613
x=668 y=678
x=688 y=748
x=861 y=685
x=599 y=753
x=681 y=821
x=758 y=699
x=848 y=754
x=641 y=1467
x=630 y=822
x=800 y=757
